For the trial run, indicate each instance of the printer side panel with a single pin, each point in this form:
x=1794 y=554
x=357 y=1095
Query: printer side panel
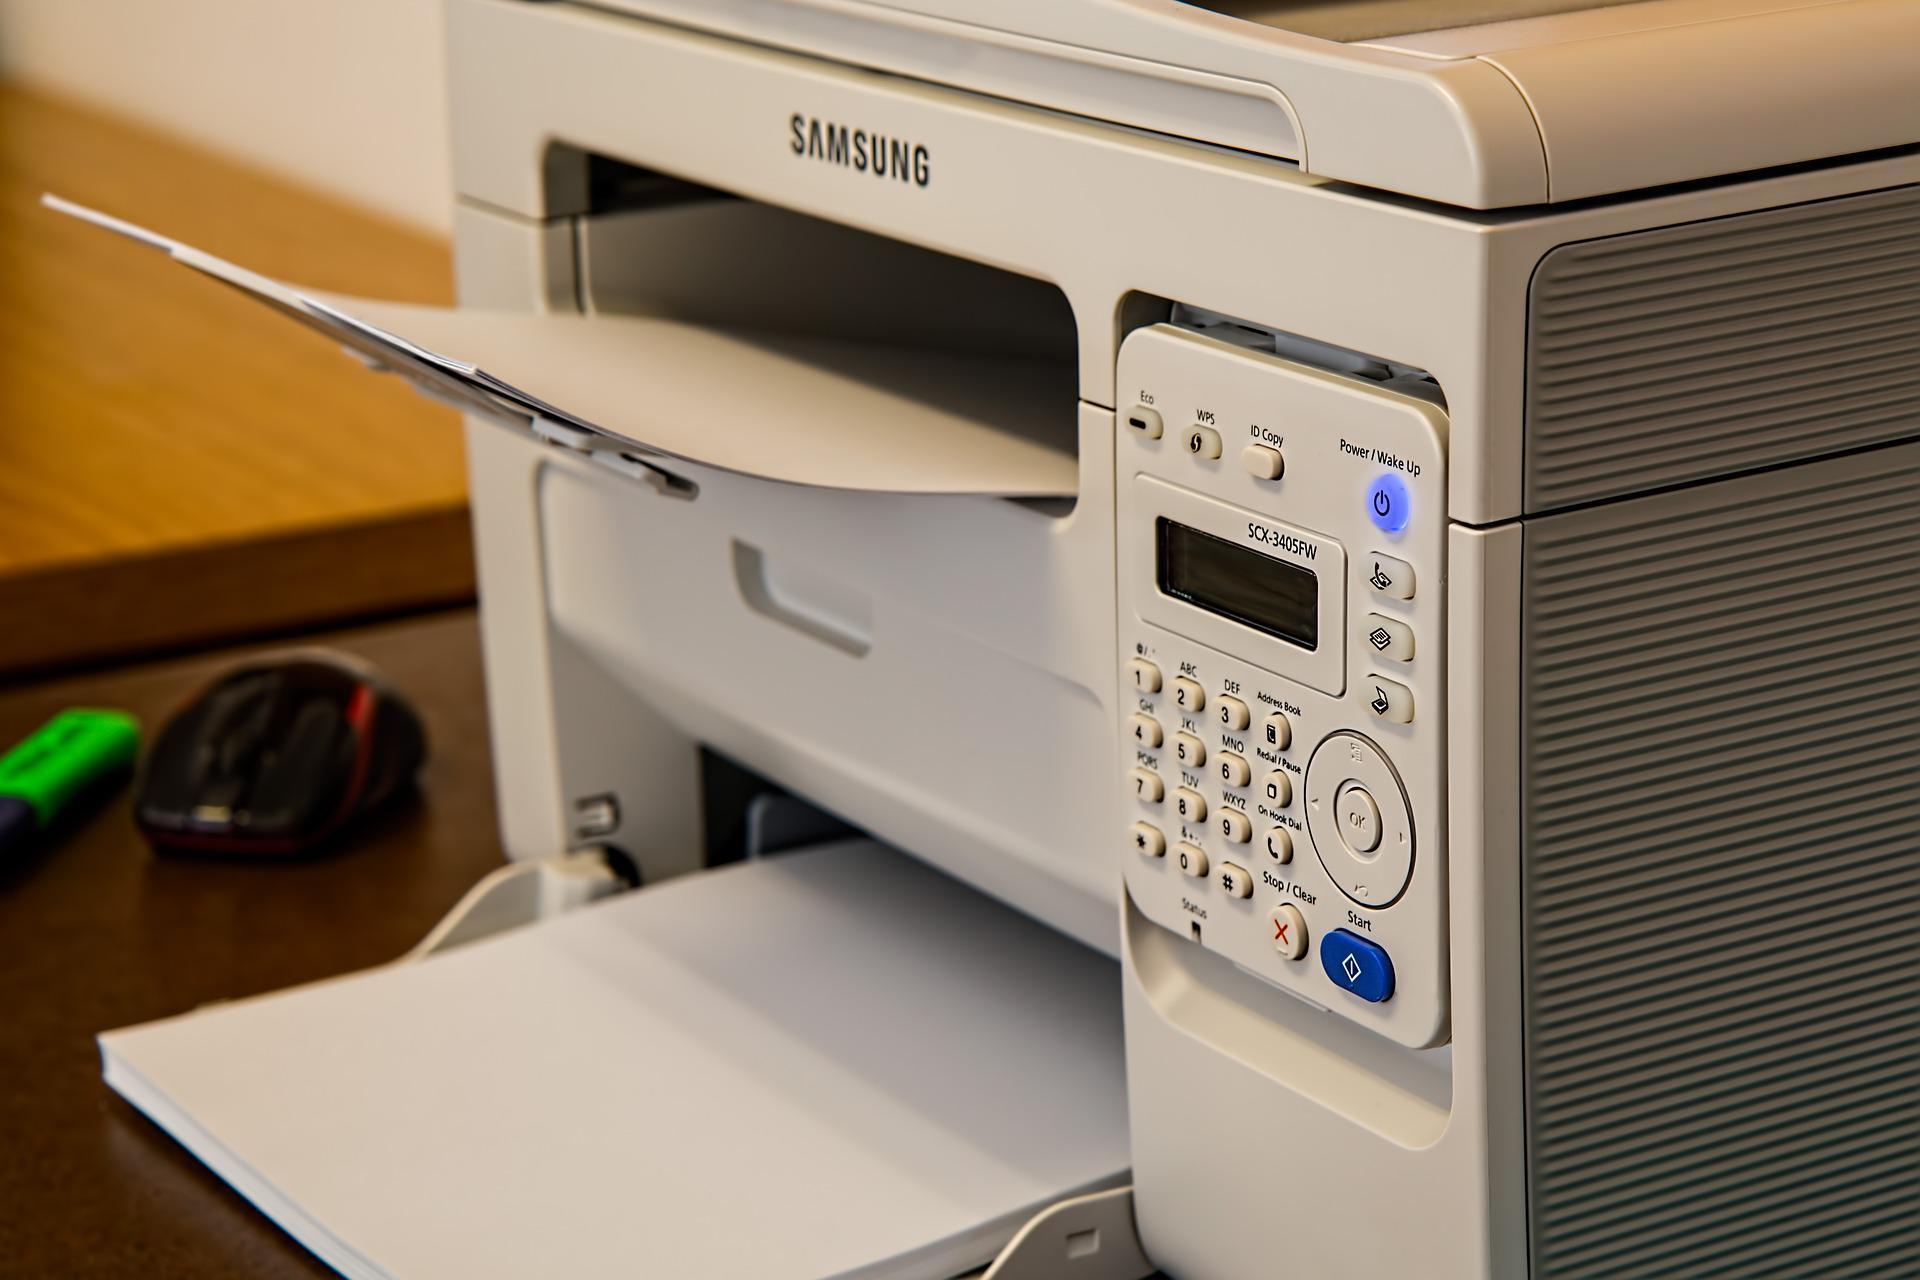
x=1719 y=683
x=1678 y=353
x=1722 y=993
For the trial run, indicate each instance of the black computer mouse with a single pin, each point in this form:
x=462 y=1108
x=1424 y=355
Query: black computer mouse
x=278 y=758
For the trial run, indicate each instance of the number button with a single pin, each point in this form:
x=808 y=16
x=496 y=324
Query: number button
x=1189 y=750
x=1147 y=787
x=1203 y=442
x=1278 y=789
x=1148 y=840
x=1190 y=805
x=1188 y=695
x=1278 y=731
x=1233 y=714
x=1191 y=858
x=1235 y=827
x=1233 y=769
x=1280 y=845
x=1235 y=880
x=1146 y=730
x=1146 y=676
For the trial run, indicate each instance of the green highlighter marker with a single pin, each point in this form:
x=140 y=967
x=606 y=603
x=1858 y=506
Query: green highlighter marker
x=59 y=761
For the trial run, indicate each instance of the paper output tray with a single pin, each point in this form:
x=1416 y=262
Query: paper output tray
x=832 y=1063
x=823 y=412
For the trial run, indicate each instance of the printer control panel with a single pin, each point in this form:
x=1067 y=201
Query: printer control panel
x=1281 y=540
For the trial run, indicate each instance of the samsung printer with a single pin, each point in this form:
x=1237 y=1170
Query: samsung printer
x=1395 y=519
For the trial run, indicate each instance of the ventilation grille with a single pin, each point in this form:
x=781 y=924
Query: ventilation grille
x=1721 y=729
x=1721 y=346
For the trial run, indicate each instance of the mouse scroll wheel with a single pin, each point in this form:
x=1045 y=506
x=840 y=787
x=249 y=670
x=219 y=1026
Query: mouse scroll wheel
x=308 y=771
x=238 y=718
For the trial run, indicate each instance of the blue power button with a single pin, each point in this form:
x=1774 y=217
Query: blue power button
x=1387 y=502
x=1357 y=965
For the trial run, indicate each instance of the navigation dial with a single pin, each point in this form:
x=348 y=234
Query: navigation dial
x=1359 y=820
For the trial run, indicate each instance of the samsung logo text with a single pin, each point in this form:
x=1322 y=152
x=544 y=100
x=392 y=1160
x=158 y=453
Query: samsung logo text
x=858 y=149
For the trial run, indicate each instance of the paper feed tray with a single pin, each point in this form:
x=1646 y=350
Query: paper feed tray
x=823 y=412
x=830 y=1063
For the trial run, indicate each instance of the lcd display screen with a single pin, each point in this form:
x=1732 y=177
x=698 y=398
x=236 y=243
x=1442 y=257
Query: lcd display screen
x=1240 y=583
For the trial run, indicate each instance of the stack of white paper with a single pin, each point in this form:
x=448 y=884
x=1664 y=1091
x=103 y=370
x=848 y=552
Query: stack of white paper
x=833 y=1063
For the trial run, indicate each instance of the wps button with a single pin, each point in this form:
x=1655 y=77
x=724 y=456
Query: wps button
x=1387 y=502
x=1203 y=442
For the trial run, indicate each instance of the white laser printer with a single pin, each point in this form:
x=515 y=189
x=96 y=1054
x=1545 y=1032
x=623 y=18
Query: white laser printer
x=1396 y=520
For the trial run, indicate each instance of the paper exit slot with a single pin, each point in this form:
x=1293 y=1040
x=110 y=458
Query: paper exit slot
x=819 y=411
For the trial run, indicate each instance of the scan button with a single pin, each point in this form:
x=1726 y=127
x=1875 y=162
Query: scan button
x=1388 y=699
x=1357 y=965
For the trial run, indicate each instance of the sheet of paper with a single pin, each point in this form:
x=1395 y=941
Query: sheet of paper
x=813 y=411
x=833 y=1063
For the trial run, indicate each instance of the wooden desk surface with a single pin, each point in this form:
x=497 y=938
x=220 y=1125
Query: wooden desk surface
x=96 y=933
x=176 y=464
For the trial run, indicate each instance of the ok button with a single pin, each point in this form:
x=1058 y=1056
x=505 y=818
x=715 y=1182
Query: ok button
x=1358 y=818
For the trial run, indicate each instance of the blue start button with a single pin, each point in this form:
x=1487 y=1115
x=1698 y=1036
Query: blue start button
x=1356 y=965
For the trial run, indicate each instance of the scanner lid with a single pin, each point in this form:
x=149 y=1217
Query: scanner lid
x=1479 y=103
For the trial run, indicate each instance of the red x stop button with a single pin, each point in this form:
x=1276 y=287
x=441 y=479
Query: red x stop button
x=1289 y=931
